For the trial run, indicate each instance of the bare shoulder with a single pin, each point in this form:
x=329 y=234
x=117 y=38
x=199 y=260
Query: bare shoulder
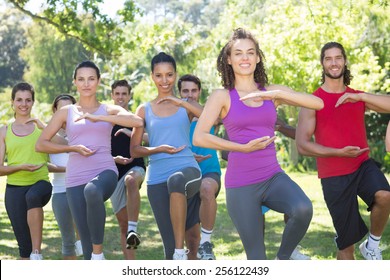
x=220 y=91
x=61 y=114
x=306 y=113
x=219 y=95
x=140 y=111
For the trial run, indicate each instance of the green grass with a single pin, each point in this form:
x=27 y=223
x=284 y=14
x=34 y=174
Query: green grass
x=318 y=242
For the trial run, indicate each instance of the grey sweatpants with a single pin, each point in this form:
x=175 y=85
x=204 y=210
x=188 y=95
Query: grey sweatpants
x=280 y=194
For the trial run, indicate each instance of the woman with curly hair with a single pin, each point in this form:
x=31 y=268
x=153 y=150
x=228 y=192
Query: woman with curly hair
x=247 y=106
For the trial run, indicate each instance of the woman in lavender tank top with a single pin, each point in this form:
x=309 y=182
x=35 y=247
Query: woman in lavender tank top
x=247 y=107
x=91 y=174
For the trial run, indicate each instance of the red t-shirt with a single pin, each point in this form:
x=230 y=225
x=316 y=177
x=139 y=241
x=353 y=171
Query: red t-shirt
x=337 y=128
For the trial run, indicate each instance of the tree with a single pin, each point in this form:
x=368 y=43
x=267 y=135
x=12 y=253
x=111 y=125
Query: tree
x=12 y=40
x=51 y=60
x=84 y=21
x=291 y=34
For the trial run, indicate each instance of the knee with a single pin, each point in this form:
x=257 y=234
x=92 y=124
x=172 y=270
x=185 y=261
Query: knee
x=33 y=200
x=176 y=183
x=303 y=211
x=175 y=179
x=130 y=182
x=382 y=198
x=207 y=191
x=91 y=194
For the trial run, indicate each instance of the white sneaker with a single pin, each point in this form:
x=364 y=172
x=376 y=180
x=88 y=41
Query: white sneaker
x=97 y=257
x=35 y=256
x=181 y=257
x=375 y=254
x=78 y=248
x=297 y=255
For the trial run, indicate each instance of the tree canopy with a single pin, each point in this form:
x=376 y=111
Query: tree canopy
x=85 y=21
x=290 y=32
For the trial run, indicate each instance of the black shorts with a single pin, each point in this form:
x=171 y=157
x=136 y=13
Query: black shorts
x=341 y=196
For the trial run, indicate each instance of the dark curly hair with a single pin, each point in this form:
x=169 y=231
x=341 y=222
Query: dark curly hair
x=226 y=71
x=347 y=73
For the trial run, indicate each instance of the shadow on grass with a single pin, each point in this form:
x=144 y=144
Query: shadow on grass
x=317 y=243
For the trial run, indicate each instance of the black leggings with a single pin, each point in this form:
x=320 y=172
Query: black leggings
x=20 y=199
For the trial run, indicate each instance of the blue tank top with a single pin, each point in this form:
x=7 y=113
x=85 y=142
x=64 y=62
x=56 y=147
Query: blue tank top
x=174 y=131
x=244 y=123
x=211 y=164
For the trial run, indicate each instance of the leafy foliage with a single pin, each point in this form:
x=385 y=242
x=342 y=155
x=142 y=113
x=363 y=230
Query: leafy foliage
x=12 y=40
x=84 y=21
x=51 y=61
x=291 y=34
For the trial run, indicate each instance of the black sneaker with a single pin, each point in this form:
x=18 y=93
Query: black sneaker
x=205 y=251
x=133 y=240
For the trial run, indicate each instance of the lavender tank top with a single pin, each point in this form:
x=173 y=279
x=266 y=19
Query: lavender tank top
x=93 y=135
x=244 y=123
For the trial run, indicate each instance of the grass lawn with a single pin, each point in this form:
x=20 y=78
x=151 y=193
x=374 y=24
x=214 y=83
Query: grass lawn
x=318 y=242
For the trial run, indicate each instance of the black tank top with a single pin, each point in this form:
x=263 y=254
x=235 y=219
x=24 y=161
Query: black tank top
x=120 y=145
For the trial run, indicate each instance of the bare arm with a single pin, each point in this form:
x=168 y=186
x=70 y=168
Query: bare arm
x=202 y=137
x=376 y=102
x=41 y=125
x=285 y=95
x=136 y=148
x=44 y=143
x=55 y=168
x=305 y=145
x=285 y=129
x=194 y=109
x=116 y=115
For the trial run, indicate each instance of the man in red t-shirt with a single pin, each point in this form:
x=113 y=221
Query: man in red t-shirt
x=344 y=166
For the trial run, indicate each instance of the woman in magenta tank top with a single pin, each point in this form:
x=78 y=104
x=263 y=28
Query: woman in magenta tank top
x=247 y=106
x=91 y=174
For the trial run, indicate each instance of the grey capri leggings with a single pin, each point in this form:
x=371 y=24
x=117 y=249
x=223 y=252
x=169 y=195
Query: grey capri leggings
x=60 y=205
x=158 y=195
x=280 y=194
x=86 y=203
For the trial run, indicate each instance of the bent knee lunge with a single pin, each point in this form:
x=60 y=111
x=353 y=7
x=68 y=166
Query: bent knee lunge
x=186 y=181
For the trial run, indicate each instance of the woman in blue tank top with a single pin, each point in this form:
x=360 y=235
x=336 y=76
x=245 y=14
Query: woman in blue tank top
x=173 y=177
x=247 y=107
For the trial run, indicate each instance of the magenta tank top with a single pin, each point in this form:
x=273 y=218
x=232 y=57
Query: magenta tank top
x=93 y=135
x=243 y=124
